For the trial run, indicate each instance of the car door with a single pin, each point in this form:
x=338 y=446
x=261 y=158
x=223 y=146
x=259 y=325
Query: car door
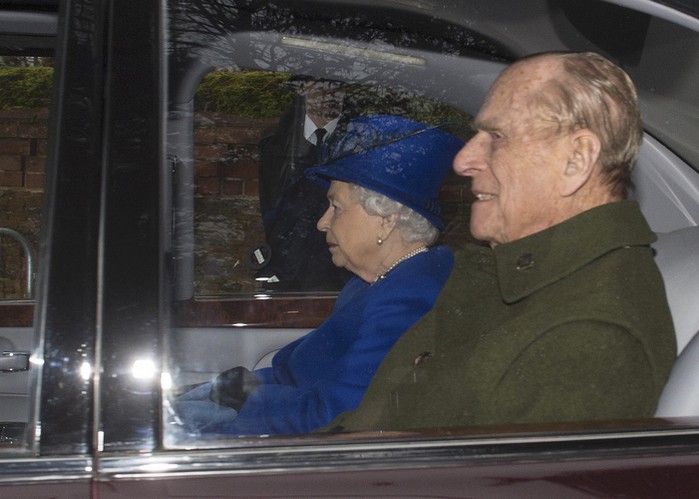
x=383 y=45
x=147 y=279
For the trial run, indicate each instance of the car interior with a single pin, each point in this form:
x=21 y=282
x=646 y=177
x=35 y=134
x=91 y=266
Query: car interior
x=665 y=186
x=456 y=70
x=676 y=258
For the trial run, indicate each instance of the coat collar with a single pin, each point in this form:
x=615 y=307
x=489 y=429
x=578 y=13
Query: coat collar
x=534 y=262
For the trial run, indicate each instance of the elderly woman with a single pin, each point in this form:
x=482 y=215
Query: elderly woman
x=384 y=175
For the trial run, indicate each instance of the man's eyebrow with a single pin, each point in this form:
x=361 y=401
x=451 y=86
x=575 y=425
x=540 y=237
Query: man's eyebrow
x=487 y=125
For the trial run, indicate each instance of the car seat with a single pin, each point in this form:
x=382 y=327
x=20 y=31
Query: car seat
x=677 y=256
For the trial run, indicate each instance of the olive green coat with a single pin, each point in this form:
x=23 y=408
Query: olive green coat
x=569 y=324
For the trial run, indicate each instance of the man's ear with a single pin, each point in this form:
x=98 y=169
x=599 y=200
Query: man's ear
x=584 y=152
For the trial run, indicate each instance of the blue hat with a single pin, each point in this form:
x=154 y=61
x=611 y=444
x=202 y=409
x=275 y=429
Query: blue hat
x=399 y=158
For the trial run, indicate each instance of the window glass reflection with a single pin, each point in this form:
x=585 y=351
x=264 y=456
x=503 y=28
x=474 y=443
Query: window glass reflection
x=26 y=83
x=255 y=213
x=256 y=218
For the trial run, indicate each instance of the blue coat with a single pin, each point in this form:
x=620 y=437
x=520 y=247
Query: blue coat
x=326 y=372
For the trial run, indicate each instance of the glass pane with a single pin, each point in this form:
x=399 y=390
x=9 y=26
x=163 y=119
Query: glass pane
x=660 y=56
x=24 y=100
x=26 y=89
x=249 y=281
x=255 y=213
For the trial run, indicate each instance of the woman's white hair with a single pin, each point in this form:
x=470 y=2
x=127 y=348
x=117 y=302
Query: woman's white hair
x=413 y=227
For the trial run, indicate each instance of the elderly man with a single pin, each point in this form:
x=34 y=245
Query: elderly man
x=563 y=316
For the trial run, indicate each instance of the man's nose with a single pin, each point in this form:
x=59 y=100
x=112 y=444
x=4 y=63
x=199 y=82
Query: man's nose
x=472 y=158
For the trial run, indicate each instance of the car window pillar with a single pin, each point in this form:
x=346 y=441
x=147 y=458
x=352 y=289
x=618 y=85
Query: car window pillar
x=66 y=308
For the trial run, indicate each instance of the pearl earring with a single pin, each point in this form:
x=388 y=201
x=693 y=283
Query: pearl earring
x=379 y=241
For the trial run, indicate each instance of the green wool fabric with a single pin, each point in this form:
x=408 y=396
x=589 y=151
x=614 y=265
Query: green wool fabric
x=568 y=324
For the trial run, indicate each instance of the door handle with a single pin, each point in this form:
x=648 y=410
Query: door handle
x=14 y=362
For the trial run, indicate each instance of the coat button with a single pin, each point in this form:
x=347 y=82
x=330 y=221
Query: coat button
x=421 y=358
x=525 y=261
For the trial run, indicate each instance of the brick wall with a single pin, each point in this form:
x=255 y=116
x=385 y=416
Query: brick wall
x=23 y=143
x=226 y=152
x=227 y=221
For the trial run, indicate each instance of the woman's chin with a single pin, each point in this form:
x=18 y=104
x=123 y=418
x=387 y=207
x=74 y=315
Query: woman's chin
x=339 y=262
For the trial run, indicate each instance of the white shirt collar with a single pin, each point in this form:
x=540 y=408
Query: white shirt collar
x=309 y=128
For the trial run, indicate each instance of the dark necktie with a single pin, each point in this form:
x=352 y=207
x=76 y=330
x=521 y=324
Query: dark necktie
x=314 y=149
x=320 y=135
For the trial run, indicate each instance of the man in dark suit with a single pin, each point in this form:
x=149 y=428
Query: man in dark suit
x=297 y=256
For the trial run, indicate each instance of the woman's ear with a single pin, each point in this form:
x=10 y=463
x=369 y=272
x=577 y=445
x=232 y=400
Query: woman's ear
x=582 y=161
x=387 y=225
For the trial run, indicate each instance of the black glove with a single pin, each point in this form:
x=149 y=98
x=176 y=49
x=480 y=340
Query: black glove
x=232 y=388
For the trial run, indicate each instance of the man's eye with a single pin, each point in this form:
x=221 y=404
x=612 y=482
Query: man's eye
x=497 y=140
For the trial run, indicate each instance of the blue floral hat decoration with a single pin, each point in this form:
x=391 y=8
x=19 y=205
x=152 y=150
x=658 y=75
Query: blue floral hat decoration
x=404 y=160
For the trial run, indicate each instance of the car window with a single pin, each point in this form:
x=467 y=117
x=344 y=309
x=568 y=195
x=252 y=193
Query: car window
x=248 y=279
x=239 y=81
x=669 y=102
x=251 y=235
x=254 y=218
x=26 y=83
x=252 y=272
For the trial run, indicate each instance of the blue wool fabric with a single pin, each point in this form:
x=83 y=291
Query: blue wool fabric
x=327 y=371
